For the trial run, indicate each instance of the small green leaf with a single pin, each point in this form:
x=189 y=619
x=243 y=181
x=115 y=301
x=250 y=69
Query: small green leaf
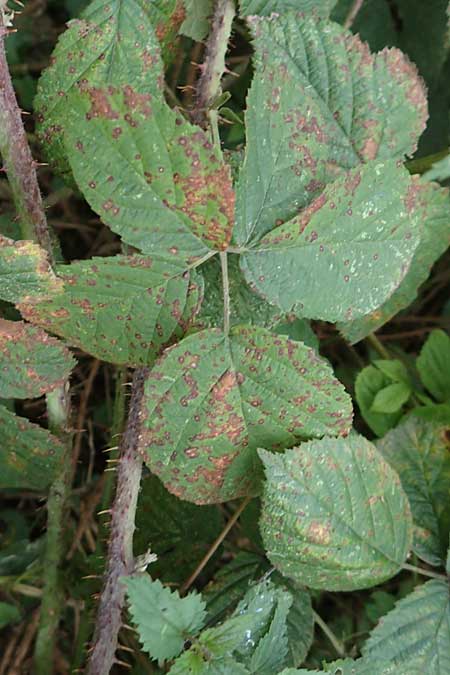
x=319 y=104
x=31 y=362
x=29 y=455
x=394 y=369
x=164 y=620
x=390 y=399
x=419 y=453
x=237 y=393
x=197 y=21
x=334 y=514
x=122 y=309
x=24 y=271
x=153 y=177
x=8 y=614
x=415 y=636
x=433 y=365
x=367 y=385
x=433 y=211
x=356 y=241
x=267 y=7
x=300 y=620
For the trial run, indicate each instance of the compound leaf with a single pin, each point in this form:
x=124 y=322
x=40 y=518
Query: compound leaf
x=433 y=210
x=236 y=393
x=419 y=453
x=164 y=620
x=153 y=177
x=415 y=636
x=31 y=362
x=319 y=103
x=334 y=514
x=113 y=44
x=29 y=455
x=122 y=309
x=356 y=241
x=433 y=364
x=369 y=382
x=24 y=271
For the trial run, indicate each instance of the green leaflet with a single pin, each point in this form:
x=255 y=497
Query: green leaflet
x=31 y=362
x=178 y=532
x=197 y=21
x=418 y=451
x=8 y=614
x=369 y=382
x=347 y=252
x=433 y=364
x=334 y=514
x=24 y=271
x=163 y=619
x=29 y=455
x=153 y=177
x=267 y=7
x=433 y=211
x=415 y=636
x=113 y=44
x=390 y=399
x=319 y=104
x=211 y=400
x=120 y=309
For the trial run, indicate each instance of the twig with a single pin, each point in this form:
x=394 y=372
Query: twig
x=120 y=552
x=351 y=16
x=188 y=583
x=423 y=572
x=337 y=644
x=378 y=346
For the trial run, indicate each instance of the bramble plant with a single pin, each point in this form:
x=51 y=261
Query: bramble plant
x=234 y=235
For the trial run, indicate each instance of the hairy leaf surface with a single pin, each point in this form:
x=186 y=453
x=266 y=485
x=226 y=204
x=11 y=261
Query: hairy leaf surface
x=320 y=103
x=267 y=7
x=334 y=514
x=122 y=309
x=356 y=241
x=29 y=455
x=419 y=453
x=211 y=400
x=31 y=362
x=415 y=636
x=24 y=271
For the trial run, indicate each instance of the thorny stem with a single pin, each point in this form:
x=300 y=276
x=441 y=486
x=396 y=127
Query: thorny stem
x=337 y=644
x=20 y=168
x=226 y=292
x=202 y=564
x=353 y=12
x=120 y=551
x=214 y=66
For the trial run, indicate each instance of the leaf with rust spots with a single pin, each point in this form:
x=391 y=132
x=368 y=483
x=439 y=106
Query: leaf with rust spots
x=334 y=514
x=433 y=211
x=419 y=453
x=25 y=271
x=89 y=51
x=30 y=456
x=212 y=400
x=31 y=362
x=320 y=103
x=120 y=309
x=347 y=252
x=153 y=177
x=267 y=7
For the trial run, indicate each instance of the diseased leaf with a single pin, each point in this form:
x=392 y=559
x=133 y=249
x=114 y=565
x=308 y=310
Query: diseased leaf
x=334 y=514
x=267 y=7
x=29 y=455
x=319 y=104
x=237 y=393
x=419 y=453
x=153 y=177
x=24 y=271
x=368 y=383
x=433 y=364
x=164 y=620
x=31 y=362
x=122 y=309
x=197 y=21
x=390 y=399
x=415 y=636
x=112 y=45
x=178 y=532
x=356 y=241
x=433 y=211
